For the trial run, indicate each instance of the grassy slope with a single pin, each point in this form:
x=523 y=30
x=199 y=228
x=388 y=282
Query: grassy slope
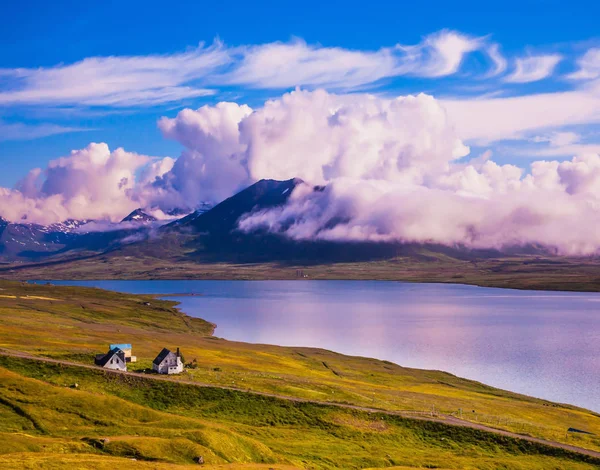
x=76 y=323
x=168 y=422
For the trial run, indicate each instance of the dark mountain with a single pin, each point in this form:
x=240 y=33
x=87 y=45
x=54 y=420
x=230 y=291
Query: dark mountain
x=140 y=216
x=212 y=236
x=24 y=242
x=223 y=217
x=19 y=239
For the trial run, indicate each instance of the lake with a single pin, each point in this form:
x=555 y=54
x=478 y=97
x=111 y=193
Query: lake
x=545 y=344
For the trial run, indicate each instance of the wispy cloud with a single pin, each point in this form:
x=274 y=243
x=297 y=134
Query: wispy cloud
x=22 y=131
x=589 y=66
x=130 y=81
x=558 y=139
x=286 y=65
x=440 y=54
x=500 y=63
x=534 y=68
x=487 y=120
x=114 y=81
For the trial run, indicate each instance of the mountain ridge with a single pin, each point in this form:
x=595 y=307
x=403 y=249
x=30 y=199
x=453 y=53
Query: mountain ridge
x=208 y=245
x=139 y=216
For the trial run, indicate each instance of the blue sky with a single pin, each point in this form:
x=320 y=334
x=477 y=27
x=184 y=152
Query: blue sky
x=55 y=35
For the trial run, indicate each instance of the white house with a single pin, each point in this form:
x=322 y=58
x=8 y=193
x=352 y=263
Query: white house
x=168 y=362
x=113 y=359
x=126 y=348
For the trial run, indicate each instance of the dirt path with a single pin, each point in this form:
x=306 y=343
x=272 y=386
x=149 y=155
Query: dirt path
x=423 y=416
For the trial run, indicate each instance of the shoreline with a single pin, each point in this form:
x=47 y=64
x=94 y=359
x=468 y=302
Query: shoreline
x=305 y=373
x=176 y=304
x=499 y=387
x=199 y=294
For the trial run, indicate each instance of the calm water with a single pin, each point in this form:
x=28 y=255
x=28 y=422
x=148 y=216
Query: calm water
x=545 y=344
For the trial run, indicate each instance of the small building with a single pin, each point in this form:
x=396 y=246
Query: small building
x=126 y=348
x=113 y=359
x=168 y=362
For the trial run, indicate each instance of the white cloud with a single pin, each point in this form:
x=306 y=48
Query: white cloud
x=22 y=131
x=558 y=139
x=391 y=171
x=91 y=183
x=115 y=81
x=589 y=66
x=500 y=63
x=490 y=207
x=126 y=81
x=310 y=135
x=286 y=65
x=492 y=119
x=441 y=54
x=565 y=150
x=533 y=68
x=392 y=167
x=212 y=166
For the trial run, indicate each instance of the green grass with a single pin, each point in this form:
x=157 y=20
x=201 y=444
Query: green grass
x=168 y=422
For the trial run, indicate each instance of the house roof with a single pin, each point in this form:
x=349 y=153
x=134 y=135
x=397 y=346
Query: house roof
x=161 y=356
x=109 y=355
x=123 y=346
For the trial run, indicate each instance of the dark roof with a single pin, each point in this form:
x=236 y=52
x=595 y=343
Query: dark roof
x=102 y=361
x=161 y=357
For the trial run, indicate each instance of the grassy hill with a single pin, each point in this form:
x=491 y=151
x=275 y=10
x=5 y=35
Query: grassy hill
x=109 y=419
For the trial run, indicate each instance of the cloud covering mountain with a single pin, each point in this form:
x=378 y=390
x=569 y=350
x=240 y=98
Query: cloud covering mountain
x=393 y=170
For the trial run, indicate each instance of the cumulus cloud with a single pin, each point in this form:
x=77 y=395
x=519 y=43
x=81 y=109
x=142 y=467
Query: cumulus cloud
x=533 y=68
x=91 y=183
x=315 y=136
x=392 y=170
x=490 y=207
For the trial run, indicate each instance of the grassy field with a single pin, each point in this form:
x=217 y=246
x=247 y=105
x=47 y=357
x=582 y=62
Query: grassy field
x=519 y=272
x=172 y=423
x=106 y=419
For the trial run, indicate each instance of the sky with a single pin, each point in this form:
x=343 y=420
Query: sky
x=38 y=34
x=109 y=106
